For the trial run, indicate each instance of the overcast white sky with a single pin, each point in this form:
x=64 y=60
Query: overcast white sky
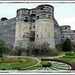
x=64 y=13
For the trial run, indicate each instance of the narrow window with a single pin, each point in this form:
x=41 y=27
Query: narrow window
x=33 y=20
x=33 y=26
x=37 y=35
x=37 y=17
x=73 y=31
x=65 y=28
x=30 y=27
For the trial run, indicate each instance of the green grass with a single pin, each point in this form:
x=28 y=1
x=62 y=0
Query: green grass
x=23 y=64
x=68 y=58
x=71 y=60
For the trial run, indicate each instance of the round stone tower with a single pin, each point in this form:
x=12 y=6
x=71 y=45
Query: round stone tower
x=66 y=32
x=22 y=35
x=44 y=27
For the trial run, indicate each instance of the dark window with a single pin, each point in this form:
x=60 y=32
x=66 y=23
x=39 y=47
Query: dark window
x=32 y=11
x=28 y=13
x=63 y=36
x=23 y=36
x=73 y=31
x=65 y=28
x=37 y=17
x=26 y=20
x=26 y=17
x=33 y=20
x=33 y=26
x=41 y=7
x=30 y=27
x=37 y=35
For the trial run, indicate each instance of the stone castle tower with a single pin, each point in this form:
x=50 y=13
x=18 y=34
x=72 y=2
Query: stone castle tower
x=35 y=25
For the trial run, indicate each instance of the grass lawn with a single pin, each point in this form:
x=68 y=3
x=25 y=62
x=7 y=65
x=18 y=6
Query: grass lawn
x=71 y=60
x=17 y=63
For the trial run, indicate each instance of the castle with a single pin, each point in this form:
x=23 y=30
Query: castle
x=36 y=25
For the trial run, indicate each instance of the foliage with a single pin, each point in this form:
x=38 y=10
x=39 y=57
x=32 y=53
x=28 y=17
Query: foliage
x=69 y=53
x=41 y=49
x=1 y=47
x=39 y=65
x=3 y=19
x=11 y=64
x=20 y=61
x=28 y=53
x=67 y=46
x=18 y=50
x=13 y=52
x=69 y=59
x=46 y=64
x=59 y=47
x=16 y=68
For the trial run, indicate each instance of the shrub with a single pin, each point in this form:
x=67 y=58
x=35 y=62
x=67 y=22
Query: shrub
x=46 y=64
x=13 y=52
x=41 y=49
x=69 y=53
x=2 y=48
x=16 y=68
x=20 y=61
x=2 y=58
x=42 y=59
x=39 y=65
x=19 y=58
x=28 y=53
x=67 y=46
x=59 y=47
x=53 y=52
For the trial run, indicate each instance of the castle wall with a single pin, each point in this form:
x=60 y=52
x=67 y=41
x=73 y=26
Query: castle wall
x=72 y=34
x=57 y=34
x=22 y=34
x=44 y=31
x=7 y=32
x=66 y=32
x=38 y=25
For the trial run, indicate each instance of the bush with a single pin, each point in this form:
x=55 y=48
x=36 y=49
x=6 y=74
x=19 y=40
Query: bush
x=2 y=58
x=42 y=59
x=39 y=65
x=19 y=58
x=46 y=64
x=59 y=47
x=41 y=49
x=53 y=52
x=27 y=50
x=69 y=53
x=67 y=46
x=13 y=52
x=20 y=61
x=16 y=68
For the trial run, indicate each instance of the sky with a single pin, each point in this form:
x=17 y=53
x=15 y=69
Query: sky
x=63 y=13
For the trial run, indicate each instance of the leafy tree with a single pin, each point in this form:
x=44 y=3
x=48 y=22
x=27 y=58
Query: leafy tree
x=67 y=45
x=1 y=47
x=41 y=49
x=3 y=19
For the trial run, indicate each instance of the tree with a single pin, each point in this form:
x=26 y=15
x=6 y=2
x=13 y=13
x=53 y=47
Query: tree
x=1 y=47
x=3 y=19
x=67 y=45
